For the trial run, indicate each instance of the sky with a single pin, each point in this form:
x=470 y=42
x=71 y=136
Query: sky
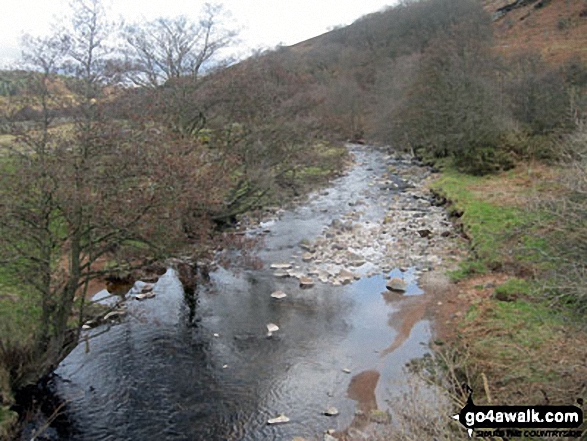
x=262 y=23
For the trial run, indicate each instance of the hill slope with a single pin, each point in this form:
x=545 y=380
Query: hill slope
x=555 y=28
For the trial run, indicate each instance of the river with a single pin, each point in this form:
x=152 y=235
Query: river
x=165 y=373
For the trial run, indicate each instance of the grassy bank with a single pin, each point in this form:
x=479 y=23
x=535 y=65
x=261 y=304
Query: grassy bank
x=520 y=328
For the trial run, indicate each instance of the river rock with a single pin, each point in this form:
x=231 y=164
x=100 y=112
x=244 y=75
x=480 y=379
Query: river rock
x=148 y=295
x=331 y=411
x=328 y=437
x=307 y=257
x=281 y=274
x=346 y=276
x=272 y=327
x=281 y=266
x=115 y=314
x=278 y=295
x=281 y=419
x=306 y=282
x=306 y=245
x=356 y=260
x=397 y=284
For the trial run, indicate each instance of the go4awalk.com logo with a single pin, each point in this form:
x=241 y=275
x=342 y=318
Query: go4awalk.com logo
x=520 y=421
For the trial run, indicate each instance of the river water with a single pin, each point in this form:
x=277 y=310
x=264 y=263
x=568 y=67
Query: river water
x=165 y=373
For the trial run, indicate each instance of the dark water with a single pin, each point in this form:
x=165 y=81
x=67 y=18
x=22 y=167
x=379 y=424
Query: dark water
x=161 y=374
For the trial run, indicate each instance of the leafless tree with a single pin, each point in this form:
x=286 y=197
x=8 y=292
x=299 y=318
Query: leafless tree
x=169 y=48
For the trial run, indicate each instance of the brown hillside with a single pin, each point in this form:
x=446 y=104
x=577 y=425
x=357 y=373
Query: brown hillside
x=555 y=28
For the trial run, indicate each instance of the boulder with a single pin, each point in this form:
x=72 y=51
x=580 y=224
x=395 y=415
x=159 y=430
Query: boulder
x=397 y=284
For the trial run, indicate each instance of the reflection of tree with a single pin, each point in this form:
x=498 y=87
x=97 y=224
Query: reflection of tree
x=362 y=390
x=410 y=310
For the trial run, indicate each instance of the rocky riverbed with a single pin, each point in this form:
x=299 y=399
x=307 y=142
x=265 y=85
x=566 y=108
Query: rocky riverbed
x=393 y=222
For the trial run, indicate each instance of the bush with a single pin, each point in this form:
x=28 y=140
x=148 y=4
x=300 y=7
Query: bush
x=483 y=160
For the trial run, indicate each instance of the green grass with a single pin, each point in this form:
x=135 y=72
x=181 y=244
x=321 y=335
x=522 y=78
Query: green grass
x=516 y=337
x=499 y=234
x=520 y=332
x=513 y=289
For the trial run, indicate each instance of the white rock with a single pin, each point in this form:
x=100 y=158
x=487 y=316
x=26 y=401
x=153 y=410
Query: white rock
x=278 y=295
x=306 y=282
x=281 y=419
x=272 y=327
x=281 y=266
x=117 y=313
x=331 y=411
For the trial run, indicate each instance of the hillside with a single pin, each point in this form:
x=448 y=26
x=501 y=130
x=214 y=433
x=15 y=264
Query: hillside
x=555 y=28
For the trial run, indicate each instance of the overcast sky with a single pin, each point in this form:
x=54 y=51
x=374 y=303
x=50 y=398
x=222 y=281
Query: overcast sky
x=263 y=23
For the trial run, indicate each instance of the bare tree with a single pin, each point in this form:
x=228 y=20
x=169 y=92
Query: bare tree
x=168 y=48
x=94 y=188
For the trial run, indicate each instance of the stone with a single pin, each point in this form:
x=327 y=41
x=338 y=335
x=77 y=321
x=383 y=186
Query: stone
x=146 y=296
x=397 y=284
x=306 y=245
x=281 y=419
x=281 y=274
x=346 y=371
x=346 y=276
x=278 y=295
x=328 y=437
x=357 y=262
x=306 y=282
x=115 y=314
x=425 y=233
x=331 y=411
x=280 y=266
x=272 y=327
x=307 y=257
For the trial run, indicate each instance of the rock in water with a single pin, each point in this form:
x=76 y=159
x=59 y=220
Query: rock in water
x=307 y=257
x=278 y=295
x=281 y=419
x=306 y=282
x=280 y=266
x=331 y=411
x=271 y=328
x=397 y=284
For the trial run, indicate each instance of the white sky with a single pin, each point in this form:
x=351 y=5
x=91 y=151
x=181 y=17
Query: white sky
x=263 y=23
